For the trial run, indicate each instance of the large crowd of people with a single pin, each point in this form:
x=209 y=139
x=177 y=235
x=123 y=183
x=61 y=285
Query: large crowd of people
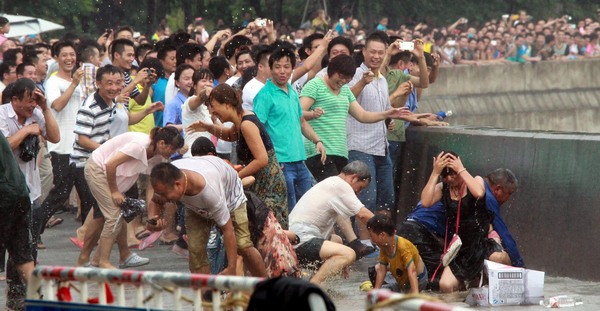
x=264 y=143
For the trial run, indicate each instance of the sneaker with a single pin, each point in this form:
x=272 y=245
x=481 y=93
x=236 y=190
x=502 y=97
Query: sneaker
x=134 y=260
x=360 y=249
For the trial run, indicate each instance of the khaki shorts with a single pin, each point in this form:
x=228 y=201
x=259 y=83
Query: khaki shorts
x=198 y=230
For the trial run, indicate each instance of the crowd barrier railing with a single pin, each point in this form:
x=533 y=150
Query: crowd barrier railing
x=47 y=282
x=385 y=299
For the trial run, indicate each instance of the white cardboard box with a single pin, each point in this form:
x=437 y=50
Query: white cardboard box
x=508 y=286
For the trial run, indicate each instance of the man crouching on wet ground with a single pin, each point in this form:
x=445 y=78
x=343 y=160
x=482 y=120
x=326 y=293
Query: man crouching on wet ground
x=211 y=192
x=331 y=200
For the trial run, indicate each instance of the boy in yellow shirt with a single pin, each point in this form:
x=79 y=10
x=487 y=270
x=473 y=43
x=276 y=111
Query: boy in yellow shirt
x=398 y=256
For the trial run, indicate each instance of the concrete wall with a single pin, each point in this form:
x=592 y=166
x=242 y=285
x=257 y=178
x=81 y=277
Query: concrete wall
x=555 y=214
x=551 y=96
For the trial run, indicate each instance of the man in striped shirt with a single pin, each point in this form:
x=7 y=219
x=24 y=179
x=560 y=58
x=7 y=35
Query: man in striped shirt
x=92 y=129
x=368 y=142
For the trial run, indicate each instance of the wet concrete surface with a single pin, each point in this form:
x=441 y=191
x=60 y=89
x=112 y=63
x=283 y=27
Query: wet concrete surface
x=344 y=292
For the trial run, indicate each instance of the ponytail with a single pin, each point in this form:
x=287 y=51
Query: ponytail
x=169 y=134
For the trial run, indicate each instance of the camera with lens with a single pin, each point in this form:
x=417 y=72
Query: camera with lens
x=30 y=147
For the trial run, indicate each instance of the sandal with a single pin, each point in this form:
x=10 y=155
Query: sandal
x=53 y=222
x=77 y=242
x=142 y=234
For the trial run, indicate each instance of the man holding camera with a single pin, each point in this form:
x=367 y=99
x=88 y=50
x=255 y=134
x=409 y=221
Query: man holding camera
x=26 y=117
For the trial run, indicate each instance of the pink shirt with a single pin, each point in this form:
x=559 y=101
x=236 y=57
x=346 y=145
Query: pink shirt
x=133 y=144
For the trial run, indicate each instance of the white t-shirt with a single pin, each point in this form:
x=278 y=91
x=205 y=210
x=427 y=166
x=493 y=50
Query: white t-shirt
x=188 y=117
x=231 y=80
x=171 y=90
x=66 y=118
x=133 y=144
x=249 y=92
x=315 y=213
x=223 y=192
x=299 y=84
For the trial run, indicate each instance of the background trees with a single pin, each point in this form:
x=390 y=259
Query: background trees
x=92 y=17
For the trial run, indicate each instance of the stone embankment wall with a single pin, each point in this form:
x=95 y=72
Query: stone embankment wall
x=551 y=96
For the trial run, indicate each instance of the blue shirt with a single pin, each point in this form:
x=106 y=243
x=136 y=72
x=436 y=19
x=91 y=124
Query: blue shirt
x=158 y=95
x=172 y=113
x=280 y=112
x=433 y=218
x=508 y=242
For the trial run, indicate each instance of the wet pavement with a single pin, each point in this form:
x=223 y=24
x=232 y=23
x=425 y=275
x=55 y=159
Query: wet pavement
x=344 y=292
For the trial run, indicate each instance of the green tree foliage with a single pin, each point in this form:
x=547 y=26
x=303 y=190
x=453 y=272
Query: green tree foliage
x=92 y=16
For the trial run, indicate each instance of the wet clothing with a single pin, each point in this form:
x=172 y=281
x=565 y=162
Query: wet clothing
x=397 y=264
x=270 y=185
x=270 y=240
x=15 y=207
x=500 y=227
x=425 y=227
x=473 y=229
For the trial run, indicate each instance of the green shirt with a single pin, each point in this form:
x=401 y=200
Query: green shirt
x=280 y=112
x=395 y=78
x=331 y=127
x=12 y=180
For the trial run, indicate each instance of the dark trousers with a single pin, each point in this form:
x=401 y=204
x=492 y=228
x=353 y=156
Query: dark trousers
x=332 y=167
x=65 y=177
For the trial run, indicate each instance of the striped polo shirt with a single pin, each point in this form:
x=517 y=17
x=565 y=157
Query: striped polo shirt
x=93 y=120
x=330 y=127
x=128 y=80
x=370 y=138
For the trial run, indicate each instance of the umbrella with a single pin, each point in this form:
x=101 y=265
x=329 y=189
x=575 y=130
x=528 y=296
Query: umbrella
x=25 y=25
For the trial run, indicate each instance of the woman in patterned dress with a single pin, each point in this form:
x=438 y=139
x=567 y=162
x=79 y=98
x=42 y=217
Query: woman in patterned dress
x=254 y=148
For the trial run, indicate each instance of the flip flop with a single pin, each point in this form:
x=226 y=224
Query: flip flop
x=147 y=242
x=77 y=242
x=142 y=234
x=54 y=222
x=163 y=242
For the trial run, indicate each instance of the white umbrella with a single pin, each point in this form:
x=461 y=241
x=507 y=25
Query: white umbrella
x=25 y=25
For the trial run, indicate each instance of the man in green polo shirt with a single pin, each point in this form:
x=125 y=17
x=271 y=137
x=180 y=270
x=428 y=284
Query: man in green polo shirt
x=278 y=107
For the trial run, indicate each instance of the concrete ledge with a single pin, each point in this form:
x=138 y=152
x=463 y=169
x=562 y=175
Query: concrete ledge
x=553 y=216
x=562 y=96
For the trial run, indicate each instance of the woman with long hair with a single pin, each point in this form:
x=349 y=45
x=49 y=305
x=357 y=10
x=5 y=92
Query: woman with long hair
x=458 y=186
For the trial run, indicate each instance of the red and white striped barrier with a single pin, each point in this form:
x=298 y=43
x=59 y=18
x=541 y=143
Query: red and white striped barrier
x=45 y=283
x=384 y=298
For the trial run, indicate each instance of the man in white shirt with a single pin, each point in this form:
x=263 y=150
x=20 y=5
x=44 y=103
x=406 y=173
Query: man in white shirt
x=263 y=73
x=211 y=192
x=63 y=98
x=332 y=200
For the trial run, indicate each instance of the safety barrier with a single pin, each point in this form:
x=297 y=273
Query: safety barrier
x=46 y=283
x=384 y=298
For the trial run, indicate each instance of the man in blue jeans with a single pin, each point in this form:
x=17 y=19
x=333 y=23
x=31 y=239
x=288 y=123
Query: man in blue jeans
x=368 y=142
x=277 y=105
